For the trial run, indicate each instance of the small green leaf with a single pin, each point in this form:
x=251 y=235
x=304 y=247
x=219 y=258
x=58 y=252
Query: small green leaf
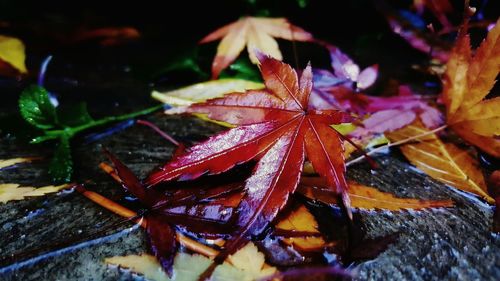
x=302 y=3
x=61 y=166
x=36 y=108
x=74 y=115
x=344 y=128
x=242 y=69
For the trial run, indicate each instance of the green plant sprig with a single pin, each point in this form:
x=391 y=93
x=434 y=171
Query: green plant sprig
x=36 y=109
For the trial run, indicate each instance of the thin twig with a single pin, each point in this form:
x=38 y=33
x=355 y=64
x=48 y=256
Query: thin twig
x=395 y=144
x=127 y=213
x=370 y=160
x=159 y=131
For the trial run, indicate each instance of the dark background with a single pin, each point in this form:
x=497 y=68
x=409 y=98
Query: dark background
x=120 y=78
x=170 y=28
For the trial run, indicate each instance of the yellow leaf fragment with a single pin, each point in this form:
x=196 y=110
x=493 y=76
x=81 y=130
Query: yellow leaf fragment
x=302 y=220
x=12 y=52
x=12 y=191
x=344 y=128
x=247 y=264
x=252 y=262
x=144 y=264
x=4 y=163
x=442 y=161
x=366 y=197
x=201 y=92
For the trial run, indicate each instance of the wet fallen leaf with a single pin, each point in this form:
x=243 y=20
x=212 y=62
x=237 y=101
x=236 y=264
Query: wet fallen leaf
x=257 y=34
x=366 y=197
x=384 y=121
x=301 y=220
x=252 y=262
x=108 y=36
x=385 y=113
x=442 y=161
x=439 y=8
x=200 y=92
x=13 y=191
x=346 y=71
x=278 y=128
x=12 y=52
x=247 y=264
x=4 y=163
x=413 y=29
x=144 y=264
x=467 y=81
x=364 y=141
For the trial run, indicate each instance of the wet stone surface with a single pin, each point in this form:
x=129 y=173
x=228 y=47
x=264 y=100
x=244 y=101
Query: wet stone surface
x=439 y=244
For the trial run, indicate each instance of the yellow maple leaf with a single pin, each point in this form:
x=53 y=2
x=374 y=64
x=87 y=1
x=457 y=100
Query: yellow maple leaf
x=467 y=81
x=247 y=264
x=13 y=191
x=12 y=52
x=257 y=34
x=201 y=92
x=442 y=161
x=366 y=197
x=252 y=262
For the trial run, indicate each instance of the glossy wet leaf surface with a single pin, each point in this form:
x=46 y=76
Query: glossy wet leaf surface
x=67 y=236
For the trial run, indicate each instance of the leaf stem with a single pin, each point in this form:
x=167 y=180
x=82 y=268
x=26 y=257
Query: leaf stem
x=71 y=131
x=159 y=131
x=371 y=152
x=129 y=214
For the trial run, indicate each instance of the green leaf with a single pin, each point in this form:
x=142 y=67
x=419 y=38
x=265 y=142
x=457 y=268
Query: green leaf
x=74 y=115
x=242 y=69
x=344 y=128
x=61 y=166
x=36 y=107
x=186 y=61
x=302 y=3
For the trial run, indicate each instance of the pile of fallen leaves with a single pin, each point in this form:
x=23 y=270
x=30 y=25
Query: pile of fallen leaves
x=291 y=120
x=270 y=192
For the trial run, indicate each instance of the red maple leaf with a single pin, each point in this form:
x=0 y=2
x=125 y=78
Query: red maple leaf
x=279 y=128
x=204 y=210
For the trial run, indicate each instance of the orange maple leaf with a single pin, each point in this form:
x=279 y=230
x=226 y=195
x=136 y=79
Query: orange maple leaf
x=257 y=34
x=467 y=81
